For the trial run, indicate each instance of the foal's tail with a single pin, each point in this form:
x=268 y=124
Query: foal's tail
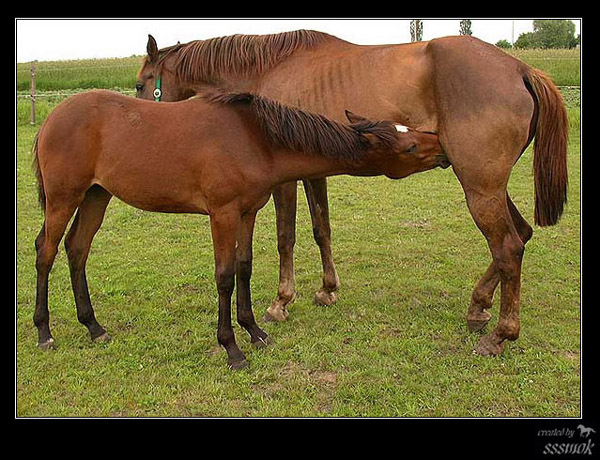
x=38 y=173
x=550 y=148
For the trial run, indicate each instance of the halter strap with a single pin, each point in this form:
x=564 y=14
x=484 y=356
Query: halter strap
x=158 y=91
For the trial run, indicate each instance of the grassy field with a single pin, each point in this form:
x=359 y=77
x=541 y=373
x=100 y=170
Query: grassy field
x=396 y=343
x=564 y=66
x=81 y=73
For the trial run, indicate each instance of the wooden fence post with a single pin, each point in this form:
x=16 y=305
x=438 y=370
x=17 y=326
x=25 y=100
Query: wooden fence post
x=32 y=93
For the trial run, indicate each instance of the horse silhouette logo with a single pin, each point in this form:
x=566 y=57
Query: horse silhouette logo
x=585 y=432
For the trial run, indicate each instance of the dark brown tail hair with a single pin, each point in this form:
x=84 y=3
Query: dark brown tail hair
x=549 y=149
x=38 y=173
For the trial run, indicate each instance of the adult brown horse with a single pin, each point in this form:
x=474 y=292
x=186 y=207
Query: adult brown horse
x=485 y=105
x=219 y=154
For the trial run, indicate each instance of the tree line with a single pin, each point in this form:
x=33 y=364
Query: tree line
x=547 y=33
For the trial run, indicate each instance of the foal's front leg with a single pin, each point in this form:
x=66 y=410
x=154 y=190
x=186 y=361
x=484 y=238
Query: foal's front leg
x=224 y=224
x=243 y=270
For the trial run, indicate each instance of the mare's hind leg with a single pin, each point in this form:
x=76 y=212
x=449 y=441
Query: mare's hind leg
x=57 y=215
x=77 y=243
x=491 y=213
x=316 y=195
x=483 y=294
x=243 y=269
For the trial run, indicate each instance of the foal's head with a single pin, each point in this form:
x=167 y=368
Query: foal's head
x=397 y=150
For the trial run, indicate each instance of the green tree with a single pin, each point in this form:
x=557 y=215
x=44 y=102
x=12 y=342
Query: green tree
x=526 y=40
x=549 y=33
x=503 y=44
x=465 y=27
x=416 y=30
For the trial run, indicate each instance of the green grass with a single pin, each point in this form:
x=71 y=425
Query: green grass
x=395 y=344
x=80 y=73
x=563 y=65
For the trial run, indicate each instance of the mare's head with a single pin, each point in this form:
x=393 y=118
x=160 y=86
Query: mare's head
x=157 y=79
x=397 y=150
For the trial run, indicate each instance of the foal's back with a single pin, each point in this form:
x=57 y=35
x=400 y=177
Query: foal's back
x=158 y=157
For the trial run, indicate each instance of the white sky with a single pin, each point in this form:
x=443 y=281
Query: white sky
x=55 y=39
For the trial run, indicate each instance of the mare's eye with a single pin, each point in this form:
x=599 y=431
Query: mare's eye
x=412 y=149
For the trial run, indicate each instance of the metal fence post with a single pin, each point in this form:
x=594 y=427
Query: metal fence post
x=32 y=93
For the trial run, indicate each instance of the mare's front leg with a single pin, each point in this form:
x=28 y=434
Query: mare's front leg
x=316 y=195
x=224 y=224
x=243 y=270
x=285 y=198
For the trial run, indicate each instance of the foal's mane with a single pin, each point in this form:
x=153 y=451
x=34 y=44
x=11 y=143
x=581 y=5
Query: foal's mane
x=303 y=131
x=238 y=55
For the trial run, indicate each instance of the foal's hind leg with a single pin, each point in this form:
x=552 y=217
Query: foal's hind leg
x=483 y=294
x=77 y=243
x=57 y=215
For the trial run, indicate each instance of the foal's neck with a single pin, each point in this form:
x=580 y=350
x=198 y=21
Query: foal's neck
x=291 y=165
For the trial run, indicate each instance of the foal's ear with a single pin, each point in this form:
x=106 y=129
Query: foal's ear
x=353 y=118
x=367 y=139
x=370 y=140
x=152 y=49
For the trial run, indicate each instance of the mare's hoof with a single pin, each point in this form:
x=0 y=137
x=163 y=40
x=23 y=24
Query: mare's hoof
x=47 y=345
x=477 y=322
x=276 y=314
x=325 y=298
x=237 y=364
x=278 y=309
x=490 y=345
x=104 y=338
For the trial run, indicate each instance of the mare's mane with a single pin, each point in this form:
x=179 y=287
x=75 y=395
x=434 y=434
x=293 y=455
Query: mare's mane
x=303 y=131
x=237 y=55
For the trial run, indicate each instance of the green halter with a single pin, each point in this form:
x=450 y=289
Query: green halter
x=157 y=91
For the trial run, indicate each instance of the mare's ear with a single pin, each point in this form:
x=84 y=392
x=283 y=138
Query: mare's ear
x=353 y=118
x=152 y=49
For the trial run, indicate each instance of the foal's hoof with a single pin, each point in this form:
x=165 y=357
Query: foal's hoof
x=478 y=321
x=262 y=342
x=104 y=338
x=325 y=298
x=237 y=364
x=47 y=345
x=490 y=345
